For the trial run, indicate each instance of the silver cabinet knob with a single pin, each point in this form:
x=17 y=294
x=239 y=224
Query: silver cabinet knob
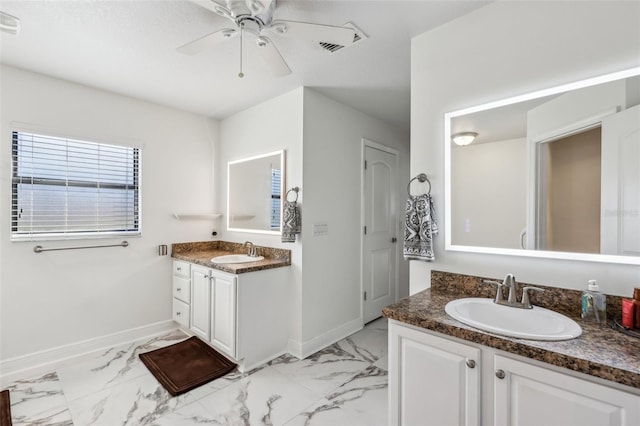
x=178 y=314
x=394 y=239
x=471 y=363
x=179 y=268
x=178 y=289
x=500 y=374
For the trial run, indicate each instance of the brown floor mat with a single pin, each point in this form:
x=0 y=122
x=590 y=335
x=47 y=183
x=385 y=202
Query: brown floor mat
x=186 y=365
x=5 y=409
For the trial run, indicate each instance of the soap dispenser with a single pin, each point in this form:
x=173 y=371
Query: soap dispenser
x=594 y=304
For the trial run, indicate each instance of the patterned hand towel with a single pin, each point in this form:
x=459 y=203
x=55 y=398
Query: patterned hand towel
x=420 y=228
x=291 y=222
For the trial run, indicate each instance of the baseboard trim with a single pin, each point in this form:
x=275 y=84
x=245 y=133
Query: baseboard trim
x=42 y=362
x=304 y=349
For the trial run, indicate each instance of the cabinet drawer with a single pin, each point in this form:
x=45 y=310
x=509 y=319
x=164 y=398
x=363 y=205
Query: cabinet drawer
x=181 y=313
x=181 y=269
x=182 y=289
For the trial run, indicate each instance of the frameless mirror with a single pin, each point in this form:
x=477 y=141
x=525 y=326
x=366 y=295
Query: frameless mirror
x=554 y=173
x=254 y=193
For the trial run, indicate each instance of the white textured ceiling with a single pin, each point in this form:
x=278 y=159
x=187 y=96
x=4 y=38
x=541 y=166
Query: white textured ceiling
x=129 y=47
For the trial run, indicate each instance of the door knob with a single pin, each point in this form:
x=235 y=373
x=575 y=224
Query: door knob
x=471 y=363
x=500 y=374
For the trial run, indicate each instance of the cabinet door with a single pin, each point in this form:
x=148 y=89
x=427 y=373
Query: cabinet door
x=223 y=313
x=200 y=301
x=530 y=395
x=432 y=380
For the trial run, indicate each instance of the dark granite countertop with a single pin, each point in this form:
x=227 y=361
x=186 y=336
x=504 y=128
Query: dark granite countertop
x=600 y=351
x=201 y=253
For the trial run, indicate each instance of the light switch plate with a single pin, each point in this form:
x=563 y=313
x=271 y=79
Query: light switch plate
x=320 y=229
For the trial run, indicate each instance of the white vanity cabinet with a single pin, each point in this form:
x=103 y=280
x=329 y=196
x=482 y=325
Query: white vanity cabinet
x=432 y=382
x=181 y=293
x=526 y=394
x=244 y=316
x=200 y=302
x=223 y=312
x=213 y=308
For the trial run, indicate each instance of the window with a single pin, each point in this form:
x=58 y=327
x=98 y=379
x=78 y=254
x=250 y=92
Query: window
x=63 y=188
x=276 y=189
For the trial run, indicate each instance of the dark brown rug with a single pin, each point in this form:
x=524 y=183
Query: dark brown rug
x=186 y=365
x=5 y=409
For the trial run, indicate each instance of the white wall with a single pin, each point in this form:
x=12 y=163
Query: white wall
x=322 y=139
x=489 y=193
x=270 y=126
x=333 y=136
x=63 y=297
x=499 y=51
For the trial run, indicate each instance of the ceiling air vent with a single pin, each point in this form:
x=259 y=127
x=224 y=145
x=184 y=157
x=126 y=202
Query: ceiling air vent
x=359 y=35
x=9 y=24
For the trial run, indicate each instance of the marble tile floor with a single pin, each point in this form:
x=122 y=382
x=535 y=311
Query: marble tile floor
x=343 y=384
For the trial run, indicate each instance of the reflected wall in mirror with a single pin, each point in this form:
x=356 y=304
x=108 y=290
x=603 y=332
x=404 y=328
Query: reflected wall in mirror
x=255 y=192
x=554 y=173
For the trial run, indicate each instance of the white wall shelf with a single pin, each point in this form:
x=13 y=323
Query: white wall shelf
x=197 y=216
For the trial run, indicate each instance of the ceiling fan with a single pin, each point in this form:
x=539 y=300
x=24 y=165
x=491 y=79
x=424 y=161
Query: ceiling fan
x=255 y=19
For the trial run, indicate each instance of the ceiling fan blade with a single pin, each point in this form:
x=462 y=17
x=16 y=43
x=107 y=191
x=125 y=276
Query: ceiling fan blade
x=207 y=41
x=315 y=32
x=272 y=56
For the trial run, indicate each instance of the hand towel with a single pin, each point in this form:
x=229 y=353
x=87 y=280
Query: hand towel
x=420 y=228
x=291 y=221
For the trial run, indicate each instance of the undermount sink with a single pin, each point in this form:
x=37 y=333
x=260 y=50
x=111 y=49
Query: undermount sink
x=533 y=324
x=236 y=258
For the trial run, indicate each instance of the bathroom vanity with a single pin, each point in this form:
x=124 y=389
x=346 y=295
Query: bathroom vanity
x=444 y=372
x=239 y=309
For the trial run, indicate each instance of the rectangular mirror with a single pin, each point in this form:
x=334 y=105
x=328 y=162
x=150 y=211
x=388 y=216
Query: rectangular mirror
x=554 y=173
x=255 y=193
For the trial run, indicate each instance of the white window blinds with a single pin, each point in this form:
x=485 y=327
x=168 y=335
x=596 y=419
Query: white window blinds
x=63 y=188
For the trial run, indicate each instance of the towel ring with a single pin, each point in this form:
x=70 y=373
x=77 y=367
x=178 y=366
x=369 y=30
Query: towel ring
x=421 y=178
x=296 y=190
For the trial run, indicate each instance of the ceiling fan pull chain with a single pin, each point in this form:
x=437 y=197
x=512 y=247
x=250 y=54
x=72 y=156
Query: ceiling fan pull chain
x=241 y=74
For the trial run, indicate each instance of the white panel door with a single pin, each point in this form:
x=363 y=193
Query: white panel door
x=620 y=187
x=530 y=395
x=432 y=381
x=200 y=301
x=223 y=313
x=379 y=242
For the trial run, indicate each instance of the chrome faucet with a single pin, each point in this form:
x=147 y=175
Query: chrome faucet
x=510 y=281
x=251 y=249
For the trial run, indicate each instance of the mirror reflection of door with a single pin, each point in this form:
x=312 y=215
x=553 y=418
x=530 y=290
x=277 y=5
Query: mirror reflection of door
x=569 y=193
x=620 y=225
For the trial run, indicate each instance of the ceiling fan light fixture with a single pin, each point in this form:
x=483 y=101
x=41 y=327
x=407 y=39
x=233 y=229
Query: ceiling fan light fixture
x=256 y=6
x=279 y=27
x=223 y=11
x=463 y=138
